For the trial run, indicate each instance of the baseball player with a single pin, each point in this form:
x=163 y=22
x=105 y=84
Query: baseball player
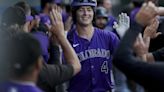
x=94 y=49
x=24 y=62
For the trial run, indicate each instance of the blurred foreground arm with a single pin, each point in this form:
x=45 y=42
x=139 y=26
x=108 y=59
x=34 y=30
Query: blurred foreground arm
x=143 y=73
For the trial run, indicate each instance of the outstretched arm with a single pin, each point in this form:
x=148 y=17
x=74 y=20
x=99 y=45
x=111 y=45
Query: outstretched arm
x=58 y=31
x=52 y=75
x=144 y=73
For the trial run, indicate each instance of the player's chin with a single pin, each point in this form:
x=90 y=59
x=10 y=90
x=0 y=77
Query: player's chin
x=85 y=23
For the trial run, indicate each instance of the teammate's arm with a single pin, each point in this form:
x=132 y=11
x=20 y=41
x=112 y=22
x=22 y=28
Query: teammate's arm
x=58 y=31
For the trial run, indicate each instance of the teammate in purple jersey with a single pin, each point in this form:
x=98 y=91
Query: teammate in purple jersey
x=19 y=87
x=94 y=49
x=22 y=54
x=50 y=75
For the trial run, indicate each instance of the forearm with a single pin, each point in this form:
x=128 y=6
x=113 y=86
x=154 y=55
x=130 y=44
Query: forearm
x=55 y=55
x=144 y=73
x=143 y=57
x=124 y=53
x=69 y=54
x=150 y=57
x=161 y=11
x=135 y=68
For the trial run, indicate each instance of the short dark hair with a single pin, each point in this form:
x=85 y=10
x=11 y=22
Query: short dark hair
x=13 y=15
x=34 y=12
x=44 y=2
x=100 y=2
x=74 y=10
x=23 y=51
x=25 y=6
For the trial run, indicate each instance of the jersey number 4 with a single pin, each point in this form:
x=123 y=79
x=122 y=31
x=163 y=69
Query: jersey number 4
x=104 y=67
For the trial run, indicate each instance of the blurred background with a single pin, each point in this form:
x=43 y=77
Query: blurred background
x=118 y=5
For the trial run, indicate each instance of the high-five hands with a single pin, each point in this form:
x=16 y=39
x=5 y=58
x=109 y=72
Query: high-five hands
x=151 y=30
x=123 y=24
x=57 y=28
x=147 y=12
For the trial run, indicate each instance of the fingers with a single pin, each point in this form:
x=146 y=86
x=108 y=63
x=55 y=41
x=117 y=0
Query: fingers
x=147 y=12
x=150 y=7
x=123 y=24
x=157 y=34
x=55 y=14
x=147 y=41
x=151 y=30
x=140 y=39
x=115 y=25
x=124 y=18
x=52 y=18
x=121 y=17
x=155 y=24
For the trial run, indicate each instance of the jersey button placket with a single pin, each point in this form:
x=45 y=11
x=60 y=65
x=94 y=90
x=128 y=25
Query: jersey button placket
x=93 y=71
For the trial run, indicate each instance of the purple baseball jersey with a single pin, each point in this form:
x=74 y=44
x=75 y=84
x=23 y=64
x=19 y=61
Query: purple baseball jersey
x=109 y=26
x=44 y=18
x=111 y=20
x=96 y=60
x=18 y=87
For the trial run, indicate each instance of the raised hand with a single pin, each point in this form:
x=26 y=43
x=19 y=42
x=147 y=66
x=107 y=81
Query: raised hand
x=141 y=46
x=147 y=12
x=151 y=30
x=57 y=24
x=123 y=24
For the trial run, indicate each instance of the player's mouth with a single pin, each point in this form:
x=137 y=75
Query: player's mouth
x=86 y=17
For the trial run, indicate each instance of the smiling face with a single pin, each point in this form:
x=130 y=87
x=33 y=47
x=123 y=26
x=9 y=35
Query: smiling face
x=84 y=15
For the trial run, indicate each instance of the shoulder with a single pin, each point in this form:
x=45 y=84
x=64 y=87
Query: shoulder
x=105 y=33
x=107 y=37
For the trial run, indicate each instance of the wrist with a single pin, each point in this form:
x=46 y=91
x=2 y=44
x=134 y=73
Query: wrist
x=143 y=57
x=161 y=11
x=60 y=37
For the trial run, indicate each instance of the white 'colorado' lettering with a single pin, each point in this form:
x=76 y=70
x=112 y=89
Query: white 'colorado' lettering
x=92 y=53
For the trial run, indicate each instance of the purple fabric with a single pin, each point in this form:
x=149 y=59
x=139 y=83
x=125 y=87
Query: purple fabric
x=58 y=1
x=109 y=26
x=64 y=16
x=37 y=17
x=13 y=87
x=44 y=43
x=45 y=19
x=96 y=60
x=84 y=4
x=29 y=18
x=133 y=13
x=111 y=21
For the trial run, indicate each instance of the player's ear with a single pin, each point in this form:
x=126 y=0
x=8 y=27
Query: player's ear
x=15 y=27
